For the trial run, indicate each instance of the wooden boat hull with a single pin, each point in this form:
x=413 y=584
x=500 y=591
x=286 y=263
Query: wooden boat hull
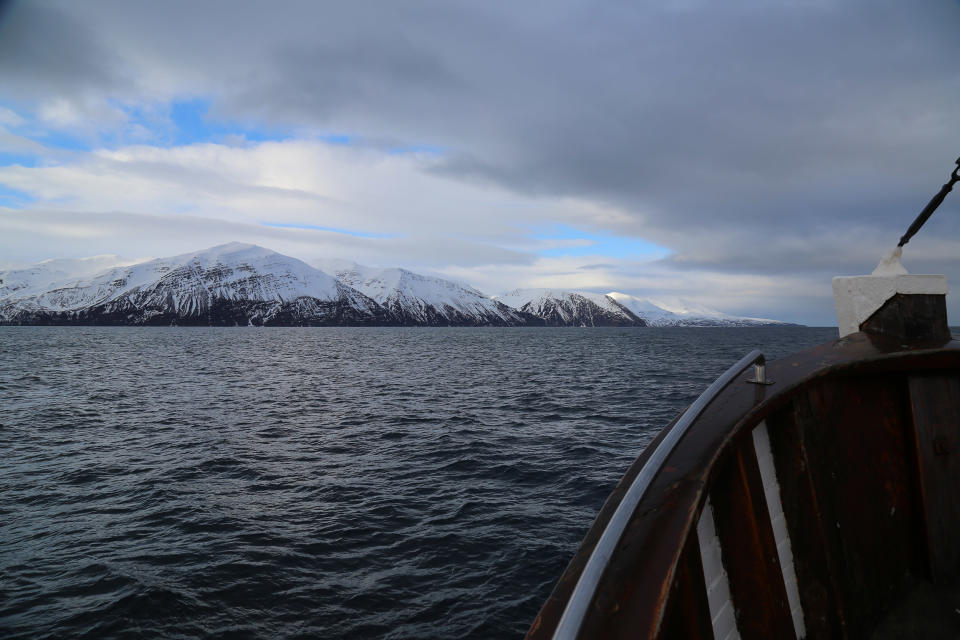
x=850 y=461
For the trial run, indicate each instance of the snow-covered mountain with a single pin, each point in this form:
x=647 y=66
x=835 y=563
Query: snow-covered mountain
x=245 y=284
x=225 y=285
x=45 y=275
x=415 y=299
x=559 y=308
x=682 y=313
x=583 y=308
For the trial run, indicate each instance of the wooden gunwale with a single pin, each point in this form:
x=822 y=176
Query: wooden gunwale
x=633 y=602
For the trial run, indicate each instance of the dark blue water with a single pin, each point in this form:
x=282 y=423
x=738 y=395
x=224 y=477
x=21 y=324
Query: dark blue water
x=335 y=483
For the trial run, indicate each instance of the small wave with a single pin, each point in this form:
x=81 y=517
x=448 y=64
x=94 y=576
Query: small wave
x=391 y=488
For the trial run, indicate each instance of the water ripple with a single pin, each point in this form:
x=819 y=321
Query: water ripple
x=336 y=483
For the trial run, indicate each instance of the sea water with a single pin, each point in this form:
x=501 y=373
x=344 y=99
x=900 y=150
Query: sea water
x=326 y=482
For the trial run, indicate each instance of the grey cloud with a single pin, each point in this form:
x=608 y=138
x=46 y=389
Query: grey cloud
x=356 y=77
x=45 y=52
x=444 y=250
x=773 y=118
x=208 y=181
x=80 y=234
x=719 y=129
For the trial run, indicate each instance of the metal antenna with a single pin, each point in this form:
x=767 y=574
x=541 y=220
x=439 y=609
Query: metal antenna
x=931 y=206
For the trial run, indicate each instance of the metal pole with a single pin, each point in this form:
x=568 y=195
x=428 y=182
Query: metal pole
x=931 y=206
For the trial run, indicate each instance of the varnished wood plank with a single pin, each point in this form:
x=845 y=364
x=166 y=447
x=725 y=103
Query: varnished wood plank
x=855 y=433
x=688 y=614
x=749 y=549
x=722 y=616
x=911 y=317
x=935 y=405
x=629 y=600
x=822 y=606
x=771 y=488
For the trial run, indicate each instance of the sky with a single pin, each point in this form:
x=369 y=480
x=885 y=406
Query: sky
x=737 y=154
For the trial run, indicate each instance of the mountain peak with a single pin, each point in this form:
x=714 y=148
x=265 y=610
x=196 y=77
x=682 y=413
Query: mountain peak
x=244 y=249
x=562 y=307
x=681 y=312
x=415 y=298
x=243 y=282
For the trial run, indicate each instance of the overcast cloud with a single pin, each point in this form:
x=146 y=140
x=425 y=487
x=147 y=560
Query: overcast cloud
x=764 y=146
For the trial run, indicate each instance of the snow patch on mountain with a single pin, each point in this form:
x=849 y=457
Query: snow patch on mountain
x=43 y=276
x=680 y=312
x=198 y=285
x=418 y=299
x=559 y=307
x=244 y=283
x=231 y=271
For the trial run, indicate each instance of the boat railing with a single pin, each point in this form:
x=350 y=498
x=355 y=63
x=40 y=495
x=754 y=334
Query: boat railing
x=809 y=508
x=583 y=593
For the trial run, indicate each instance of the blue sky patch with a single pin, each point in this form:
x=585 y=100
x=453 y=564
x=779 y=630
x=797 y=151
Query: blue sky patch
x=32 y=129
x=13 y=198
x=173 y=124
x=192 y=124
x=62 y=140
x=584 y=243
x=22 y=159
x=313 y=227
x=181 y=122
x=337 y=138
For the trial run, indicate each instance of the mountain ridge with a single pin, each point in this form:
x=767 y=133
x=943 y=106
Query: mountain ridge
x=246 y=284
x=416 y=299
x=562 y=307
